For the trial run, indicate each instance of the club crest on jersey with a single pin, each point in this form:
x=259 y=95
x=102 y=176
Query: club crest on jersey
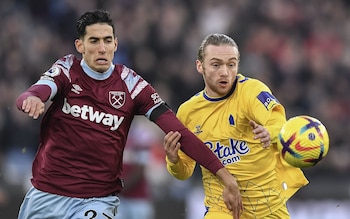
x=117 y=98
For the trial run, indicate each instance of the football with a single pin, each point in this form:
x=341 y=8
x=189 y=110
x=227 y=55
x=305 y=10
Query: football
x=303 y=141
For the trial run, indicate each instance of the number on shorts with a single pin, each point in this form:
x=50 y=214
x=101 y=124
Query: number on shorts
x=92 y=214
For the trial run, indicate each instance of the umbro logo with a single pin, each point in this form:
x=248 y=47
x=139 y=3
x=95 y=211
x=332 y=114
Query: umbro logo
x=76 y=89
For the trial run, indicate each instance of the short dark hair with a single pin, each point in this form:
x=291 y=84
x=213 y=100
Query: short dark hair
x=215 y=39
x=93 y=17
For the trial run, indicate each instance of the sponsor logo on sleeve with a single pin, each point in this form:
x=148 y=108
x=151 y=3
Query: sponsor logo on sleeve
x=52 y=72
x=267 y=99
x=156 y=98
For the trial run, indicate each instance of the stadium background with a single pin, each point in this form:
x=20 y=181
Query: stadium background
x=301 y=49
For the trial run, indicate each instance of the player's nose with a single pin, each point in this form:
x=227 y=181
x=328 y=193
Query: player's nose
x=102 y=47
x=224 y=71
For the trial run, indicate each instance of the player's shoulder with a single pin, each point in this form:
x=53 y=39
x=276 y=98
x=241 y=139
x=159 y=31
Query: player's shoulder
x=126 y=73
x=67 y=60
x=248 y=83
x=245 y=80
x=192 y=101
x=60 y=67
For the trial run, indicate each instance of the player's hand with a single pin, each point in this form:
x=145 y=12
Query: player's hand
x=172 y=145
x=231 y=194
x=260 y=132
x=33 y=106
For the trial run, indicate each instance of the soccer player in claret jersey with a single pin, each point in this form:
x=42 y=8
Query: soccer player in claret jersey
x=239 y=119
x=77 y=168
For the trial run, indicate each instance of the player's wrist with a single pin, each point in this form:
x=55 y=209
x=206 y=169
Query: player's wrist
x=170 y=161
x=227 y=178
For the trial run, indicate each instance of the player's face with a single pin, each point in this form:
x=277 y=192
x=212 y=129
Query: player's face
x=98 y=46
x=219 y=69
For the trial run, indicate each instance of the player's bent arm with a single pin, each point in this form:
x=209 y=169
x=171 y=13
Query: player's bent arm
x=191 y=145
x=231 y=194
x=165 y=118
x=183 y=169
x=275 y=123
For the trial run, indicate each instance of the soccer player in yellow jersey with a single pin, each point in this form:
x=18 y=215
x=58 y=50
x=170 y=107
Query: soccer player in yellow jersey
x=238 y=118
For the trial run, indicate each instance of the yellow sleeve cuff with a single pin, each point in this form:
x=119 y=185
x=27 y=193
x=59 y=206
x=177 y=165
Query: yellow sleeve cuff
x=174 y=168
x=178 y=170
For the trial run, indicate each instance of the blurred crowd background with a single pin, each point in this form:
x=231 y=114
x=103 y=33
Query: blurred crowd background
x=300 y=49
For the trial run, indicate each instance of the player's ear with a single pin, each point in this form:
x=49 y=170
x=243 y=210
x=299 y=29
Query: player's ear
x=116 y=44
x=199 y=66
x=79 y=46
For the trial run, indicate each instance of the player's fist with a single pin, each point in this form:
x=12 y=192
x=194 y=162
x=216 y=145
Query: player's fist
x=171 y=146
x=33 y=106
x=260 y=132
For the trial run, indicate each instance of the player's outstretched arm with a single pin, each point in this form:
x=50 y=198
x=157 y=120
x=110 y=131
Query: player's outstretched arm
x=231 y=194
x=191 y=145
x=33 y=106
x=33 y=100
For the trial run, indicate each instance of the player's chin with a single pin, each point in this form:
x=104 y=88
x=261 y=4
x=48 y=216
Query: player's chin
x=223 y=90
x=101 y=68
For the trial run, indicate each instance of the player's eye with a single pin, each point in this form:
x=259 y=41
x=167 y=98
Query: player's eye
x=232 y=65
x=93 y=41
x=108 y=40
x=215 y=65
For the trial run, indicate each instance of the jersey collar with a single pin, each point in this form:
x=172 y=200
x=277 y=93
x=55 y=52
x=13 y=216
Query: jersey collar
x=94 y=74
x=224 y=97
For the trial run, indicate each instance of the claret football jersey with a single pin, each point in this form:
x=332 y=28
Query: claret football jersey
x=85 y=128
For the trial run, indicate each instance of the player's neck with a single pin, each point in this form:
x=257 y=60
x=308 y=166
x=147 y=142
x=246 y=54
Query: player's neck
x=94 y=74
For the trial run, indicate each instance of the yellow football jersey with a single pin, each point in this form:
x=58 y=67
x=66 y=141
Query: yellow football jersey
x=223 y=125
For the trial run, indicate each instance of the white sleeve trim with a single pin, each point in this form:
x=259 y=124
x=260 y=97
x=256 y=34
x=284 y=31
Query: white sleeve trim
x=51 y=84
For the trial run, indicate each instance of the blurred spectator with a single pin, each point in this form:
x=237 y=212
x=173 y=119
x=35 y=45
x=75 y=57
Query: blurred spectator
x=136 y=198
